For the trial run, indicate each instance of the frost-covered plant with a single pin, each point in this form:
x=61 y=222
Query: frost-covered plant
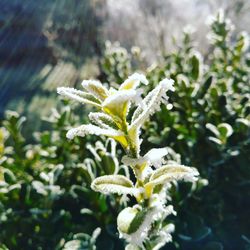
x=121 y=115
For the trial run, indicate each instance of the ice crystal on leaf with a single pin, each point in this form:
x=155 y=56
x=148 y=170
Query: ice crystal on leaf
x=113 y=184
x=133 y=81
x=96 y=89
x=137 y=224
x=117 y=105
x=92 y=130
x=154 y=157
x=79 y=96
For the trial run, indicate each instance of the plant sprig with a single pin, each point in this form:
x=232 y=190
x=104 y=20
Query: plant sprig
x=143 y=221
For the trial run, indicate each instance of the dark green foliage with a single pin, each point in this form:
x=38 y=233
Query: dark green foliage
x=209 y=128
x=45 y=186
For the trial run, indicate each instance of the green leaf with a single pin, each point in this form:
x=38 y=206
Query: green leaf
x=133 y=81
x=84 y=130
x=242 y=124
x=213 y=129
x=103 y=120
x=225 y=130
x=130 y=219
x=108 y=164
x=117 y=105
x=87 y=173
x=204 y=87
x=9 y=176
x=3 y=247
x=95 y=235
x=138 y=220
x=170 y=173
x=78 y=95
x=151 y=103
x=196 y=66
x=96 y=89
x=113 y=184
x=215 y=140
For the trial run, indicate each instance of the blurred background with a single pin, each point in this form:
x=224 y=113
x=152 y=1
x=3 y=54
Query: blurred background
x=45 y=199
x=48 y=43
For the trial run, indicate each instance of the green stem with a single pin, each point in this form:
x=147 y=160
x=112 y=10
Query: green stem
x=132 y=150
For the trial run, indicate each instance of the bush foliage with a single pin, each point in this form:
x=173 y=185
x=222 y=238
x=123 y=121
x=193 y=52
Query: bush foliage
x=45 y=197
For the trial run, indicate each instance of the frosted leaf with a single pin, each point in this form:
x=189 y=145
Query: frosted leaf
x=215 y=140
x=171 y=173
x=118 y=184
x=125 y=217
x=163 y=211
x=167 y=84
x=146 y=173
x=151 y=103
x=139 y=220
x=78 y=95
x=213 y=129
x=132 y=161
x=102 y=120
x=134 y=134
x=93 y=130
x=165 y=236
x=96 y=233
x=225 y=129
x=153 y=157
x=118 y=103
x=133 y=81
x=95 y=88
x=93 y=152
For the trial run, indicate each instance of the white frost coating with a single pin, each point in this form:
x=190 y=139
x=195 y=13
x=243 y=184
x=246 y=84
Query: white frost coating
x=102 y=120
x=132 y=161
x=118 y=184
x=151 y=103
x=158 y=200
x=170 y=173
x=74 y=94
x=93 y=151
x=119 y=98
x=95 y=88
x=138 y=191
x=133 y=81
x=165 y=236
x=93 y=130
x=115 y=189
x=167 y=84
x=86 y=83
x=154 y=157
x=213 y=129
x=147 y=171
x=118 y=104
x=137 y=238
